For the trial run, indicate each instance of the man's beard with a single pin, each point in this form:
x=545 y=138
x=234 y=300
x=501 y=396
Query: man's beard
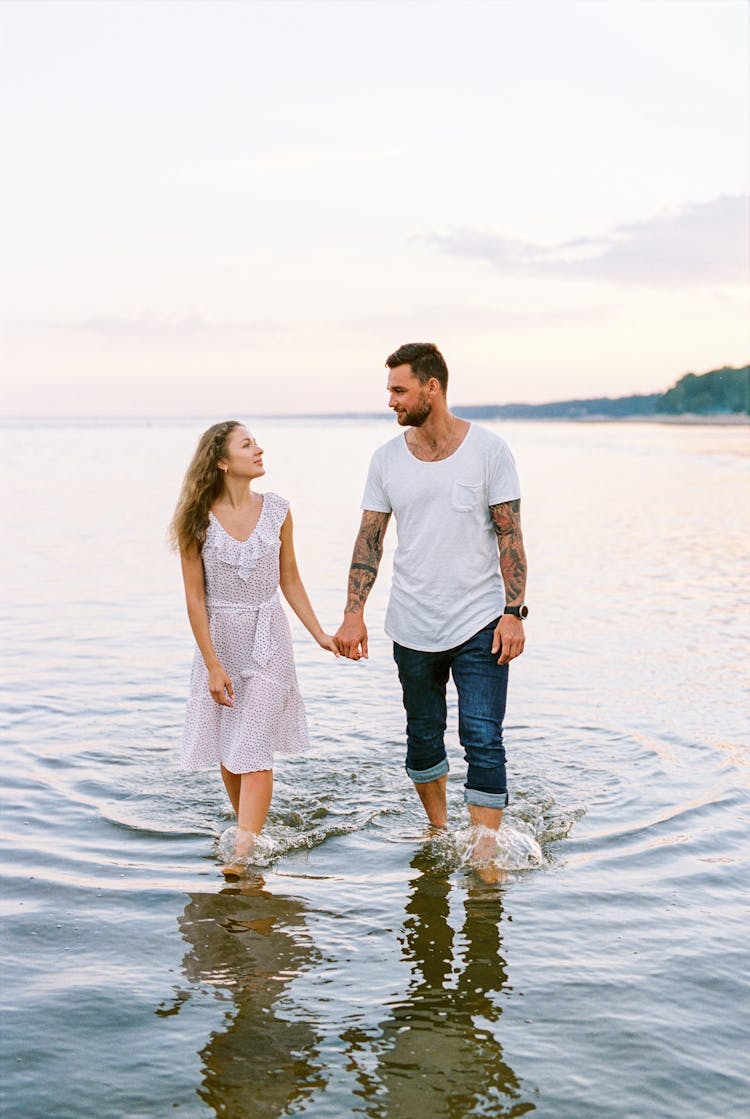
x=417 y=416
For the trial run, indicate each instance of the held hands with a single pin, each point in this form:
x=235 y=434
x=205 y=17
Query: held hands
x=220 y=686
x=508 y=639
x=329 y=643
x=351 y=637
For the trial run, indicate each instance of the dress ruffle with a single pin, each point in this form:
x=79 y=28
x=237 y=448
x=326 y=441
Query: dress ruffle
x=244 y=554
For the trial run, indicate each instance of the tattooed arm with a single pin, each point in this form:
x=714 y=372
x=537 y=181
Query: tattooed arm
x=506 y=521
x=351 y=638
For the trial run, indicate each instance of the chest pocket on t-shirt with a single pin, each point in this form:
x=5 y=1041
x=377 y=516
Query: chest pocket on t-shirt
x=466 y=496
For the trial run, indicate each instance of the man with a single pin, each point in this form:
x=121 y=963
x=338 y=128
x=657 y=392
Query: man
x=459 y=576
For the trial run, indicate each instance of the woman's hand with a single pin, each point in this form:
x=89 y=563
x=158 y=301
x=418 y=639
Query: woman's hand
x=220 y=686
x=326 y=642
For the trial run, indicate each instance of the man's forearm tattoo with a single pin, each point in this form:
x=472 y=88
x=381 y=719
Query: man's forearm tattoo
x=506 y=521
x=368 y=551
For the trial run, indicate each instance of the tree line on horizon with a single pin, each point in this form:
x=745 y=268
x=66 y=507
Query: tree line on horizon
x=724 y=391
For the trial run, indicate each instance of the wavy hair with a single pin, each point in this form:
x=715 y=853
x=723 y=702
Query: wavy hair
x=202 y=484
x=425 y=360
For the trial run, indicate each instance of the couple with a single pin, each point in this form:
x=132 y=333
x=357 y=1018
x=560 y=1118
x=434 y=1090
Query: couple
x=456 y=606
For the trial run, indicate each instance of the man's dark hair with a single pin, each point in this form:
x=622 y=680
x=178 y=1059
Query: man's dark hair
x=425 y=360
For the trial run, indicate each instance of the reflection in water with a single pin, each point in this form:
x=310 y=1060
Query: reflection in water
x=437 y=1052
x=251 y=944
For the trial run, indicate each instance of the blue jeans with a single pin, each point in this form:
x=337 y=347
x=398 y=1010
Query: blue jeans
x=482 y=686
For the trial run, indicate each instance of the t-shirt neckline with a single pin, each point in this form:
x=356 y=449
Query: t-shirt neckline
x=437 y=462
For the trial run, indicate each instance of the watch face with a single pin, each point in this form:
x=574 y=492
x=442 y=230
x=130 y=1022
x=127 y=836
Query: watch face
x=523 y=612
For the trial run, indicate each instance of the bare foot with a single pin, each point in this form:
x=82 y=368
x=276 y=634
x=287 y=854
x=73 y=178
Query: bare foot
x=244 y=846
x=483 y=853
x=436 y=829
x=491 y=874
x=232 y=871
x=485 y=845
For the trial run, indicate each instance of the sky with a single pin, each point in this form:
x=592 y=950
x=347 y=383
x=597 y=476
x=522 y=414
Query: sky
x=216 y=208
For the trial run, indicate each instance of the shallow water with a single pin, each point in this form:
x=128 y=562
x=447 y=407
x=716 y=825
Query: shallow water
x=367 y=969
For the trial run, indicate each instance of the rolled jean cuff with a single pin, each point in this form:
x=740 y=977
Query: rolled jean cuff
x=421 y=776
x=485 y=800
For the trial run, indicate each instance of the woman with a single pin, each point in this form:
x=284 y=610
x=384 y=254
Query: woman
x=236 y=549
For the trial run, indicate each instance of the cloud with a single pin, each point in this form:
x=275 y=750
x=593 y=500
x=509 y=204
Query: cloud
x=696 y=243
x=436 y=318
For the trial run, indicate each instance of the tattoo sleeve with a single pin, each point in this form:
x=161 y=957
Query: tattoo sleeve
x=506 y=521
x=368 y=551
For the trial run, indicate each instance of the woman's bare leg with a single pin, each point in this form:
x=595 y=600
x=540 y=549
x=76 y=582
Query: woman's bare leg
x=232 y=783
x=254 y=791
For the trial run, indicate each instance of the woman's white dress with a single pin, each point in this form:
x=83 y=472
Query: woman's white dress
x=251 y=636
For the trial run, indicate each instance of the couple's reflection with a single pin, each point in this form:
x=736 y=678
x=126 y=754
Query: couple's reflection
x=249 y=944
x=437 y=1054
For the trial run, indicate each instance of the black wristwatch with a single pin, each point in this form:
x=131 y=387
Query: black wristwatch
x=517 y=611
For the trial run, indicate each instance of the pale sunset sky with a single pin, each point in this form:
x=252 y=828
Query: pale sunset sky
x=242 y=208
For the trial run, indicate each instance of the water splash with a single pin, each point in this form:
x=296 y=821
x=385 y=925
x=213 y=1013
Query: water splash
x=535 y=807
x=513 y=846
x=231 y=851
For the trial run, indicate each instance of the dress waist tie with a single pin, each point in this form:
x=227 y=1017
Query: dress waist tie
x=263 y=646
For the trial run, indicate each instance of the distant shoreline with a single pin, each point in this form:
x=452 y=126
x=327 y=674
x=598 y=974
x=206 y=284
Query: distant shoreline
x=686 y=419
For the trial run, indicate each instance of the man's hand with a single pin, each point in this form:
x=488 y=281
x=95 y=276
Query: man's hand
x=351 y=636
x=508 y=639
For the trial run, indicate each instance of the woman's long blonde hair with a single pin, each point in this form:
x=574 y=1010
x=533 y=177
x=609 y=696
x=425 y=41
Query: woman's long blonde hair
x=201 y=486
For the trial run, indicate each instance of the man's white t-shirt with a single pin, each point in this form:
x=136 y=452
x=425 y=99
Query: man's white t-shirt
x=446 y=576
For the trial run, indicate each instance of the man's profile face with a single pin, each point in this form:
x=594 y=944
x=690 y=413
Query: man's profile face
x=408 y=397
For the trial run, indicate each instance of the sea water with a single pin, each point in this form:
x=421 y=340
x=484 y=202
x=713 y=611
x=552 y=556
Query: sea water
x=367 y=967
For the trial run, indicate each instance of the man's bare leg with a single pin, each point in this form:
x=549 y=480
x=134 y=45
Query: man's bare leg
x=486 y=846
x=432 y=795
x=487 y=817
